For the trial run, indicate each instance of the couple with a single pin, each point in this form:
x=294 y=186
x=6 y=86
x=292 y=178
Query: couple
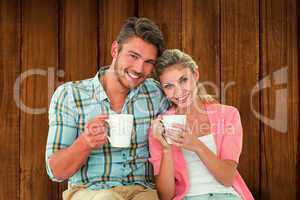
x=200 y=163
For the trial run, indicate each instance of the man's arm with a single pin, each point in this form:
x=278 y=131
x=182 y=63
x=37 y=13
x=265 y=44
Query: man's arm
x=66 y=153
x=64 y=163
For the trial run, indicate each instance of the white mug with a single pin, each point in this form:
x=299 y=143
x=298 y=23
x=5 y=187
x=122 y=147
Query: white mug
x=120 y=128
x=168 y=120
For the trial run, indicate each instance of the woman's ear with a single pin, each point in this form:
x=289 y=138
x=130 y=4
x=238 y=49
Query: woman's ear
x=114 y=49
x=196 y=74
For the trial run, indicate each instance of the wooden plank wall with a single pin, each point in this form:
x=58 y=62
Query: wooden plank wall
x=239 y=74
x=39 y=51
x=235 y=43
x=280 y=52
x=9 y=113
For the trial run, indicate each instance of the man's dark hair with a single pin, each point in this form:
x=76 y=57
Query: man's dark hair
x=143 y=28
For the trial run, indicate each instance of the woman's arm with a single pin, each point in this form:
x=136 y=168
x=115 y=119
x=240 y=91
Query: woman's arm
x=223 y=170
x=161 y=158
x=165 y=180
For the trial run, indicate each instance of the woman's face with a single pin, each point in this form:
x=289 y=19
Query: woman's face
x=179 y=84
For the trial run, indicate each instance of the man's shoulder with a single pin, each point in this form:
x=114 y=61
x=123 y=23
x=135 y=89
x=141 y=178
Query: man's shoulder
x=150 y=88
x=152 y=84
x=81 y=87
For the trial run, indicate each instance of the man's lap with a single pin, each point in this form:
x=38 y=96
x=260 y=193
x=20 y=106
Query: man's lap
x=134 y=192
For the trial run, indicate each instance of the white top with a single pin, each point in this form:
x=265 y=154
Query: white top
x=201 y=180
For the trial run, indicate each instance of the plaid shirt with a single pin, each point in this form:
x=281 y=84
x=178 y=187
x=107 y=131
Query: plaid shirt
x=75 y=103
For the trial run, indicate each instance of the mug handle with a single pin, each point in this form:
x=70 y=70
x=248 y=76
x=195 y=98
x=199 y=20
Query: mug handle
x=107 y=121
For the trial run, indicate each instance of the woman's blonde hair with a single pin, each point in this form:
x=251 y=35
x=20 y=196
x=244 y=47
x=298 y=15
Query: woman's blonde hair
x=175 y=56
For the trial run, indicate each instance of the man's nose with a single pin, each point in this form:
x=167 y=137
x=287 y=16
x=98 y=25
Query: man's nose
x=139 y=66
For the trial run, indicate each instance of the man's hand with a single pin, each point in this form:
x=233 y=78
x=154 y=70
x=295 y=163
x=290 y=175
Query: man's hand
x=95 y=133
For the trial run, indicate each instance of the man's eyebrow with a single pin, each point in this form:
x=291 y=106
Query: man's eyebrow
x=139 y=55
x=135 y=53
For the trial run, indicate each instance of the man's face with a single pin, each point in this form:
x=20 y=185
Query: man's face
x=134 y=62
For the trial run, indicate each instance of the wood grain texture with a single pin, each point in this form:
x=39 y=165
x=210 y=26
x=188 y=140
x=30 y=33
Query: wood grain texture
x=235 y=43
x=112 y=14
x=39 y=56
x=167 y=15
x=239 y=75
x=200 y=39
x=9 y=112
x=280 y=99
x=78 y=47
x=78 y=39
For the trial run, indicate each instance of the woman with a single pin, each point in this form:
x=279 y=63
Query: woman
x=201 y=162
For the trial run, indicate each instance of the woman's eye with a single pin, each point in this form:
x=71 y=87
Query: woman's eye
x=183 y=80
x=168 y=86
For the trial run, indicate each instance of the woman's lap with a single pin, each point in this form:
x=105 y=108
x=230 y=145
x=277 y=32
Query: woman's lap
x=214 y=196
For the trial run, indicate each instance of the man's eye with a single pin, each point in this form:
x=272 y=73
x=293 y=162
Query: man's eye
x=135 y=57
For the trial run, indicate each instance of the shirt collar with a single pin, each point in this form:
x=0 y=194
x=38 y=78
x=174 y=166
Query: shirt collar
x=99 y=92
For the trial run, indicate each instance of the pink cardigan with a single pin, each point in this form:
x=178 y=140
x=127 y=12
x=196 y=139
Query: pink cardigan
x=227 y=130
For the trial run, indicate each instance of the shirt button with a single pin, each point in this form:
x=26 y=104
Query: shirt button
x=124 y=165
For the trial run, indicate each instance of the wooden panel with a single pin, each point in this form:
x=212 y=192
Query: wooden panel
x=9 y=112
x=239 y=75
x=200 y=39
x=112 y=14
x=78 y=43
x=167 y=15
x=78 y=39
x=39 y=53
x=280 y=99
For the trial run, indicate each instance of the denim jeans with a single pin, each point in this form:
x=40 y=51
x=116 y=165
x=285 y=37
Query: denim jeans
x=214 y=196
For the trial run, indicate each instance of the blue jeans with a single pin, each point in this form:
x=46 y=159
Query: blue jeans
x=214 y=196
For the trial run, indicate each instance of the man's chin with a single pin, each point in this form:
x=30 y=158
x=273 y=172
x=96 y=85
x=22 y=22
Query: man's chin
x=133 y=84
x=128 y=84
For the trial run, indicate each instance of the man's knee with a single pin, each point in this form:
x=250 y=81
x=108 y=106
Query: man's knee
x=149 y=194
x=86 y=194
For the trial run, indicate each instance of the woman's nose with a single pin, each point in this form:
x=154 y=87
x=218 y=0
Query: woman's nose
x=178 y=91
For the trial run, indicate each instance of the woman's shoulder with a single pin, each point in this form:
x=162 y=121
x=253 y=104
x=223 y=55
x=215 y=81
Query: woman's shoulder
x=226 y=111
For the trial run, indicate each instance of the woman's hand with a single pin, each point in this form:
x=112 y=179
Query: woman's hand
x=158 y=131
x=181 y=137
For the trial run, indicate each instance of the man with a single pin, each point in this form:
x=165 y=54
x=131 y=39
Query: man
x=77 y=145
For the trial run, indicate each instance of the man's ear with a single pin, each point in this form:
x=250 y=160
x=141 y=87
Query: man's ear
x=114 y=49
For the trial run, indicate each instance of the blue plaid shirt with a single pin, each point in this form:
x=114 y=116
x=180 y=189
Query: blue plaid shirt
x=75 y=103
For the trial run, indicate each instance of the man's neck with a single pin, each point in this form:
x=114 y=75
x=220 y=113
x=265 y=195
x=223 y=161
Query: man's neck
x=114 y=90
x=112 y=85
